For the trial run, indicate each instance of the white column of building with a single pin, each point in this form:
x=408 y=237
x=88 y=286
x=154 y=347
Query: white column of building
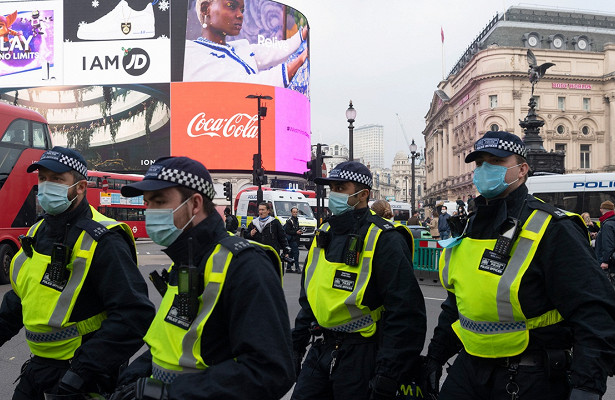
x=441 y=151
x=609 y=135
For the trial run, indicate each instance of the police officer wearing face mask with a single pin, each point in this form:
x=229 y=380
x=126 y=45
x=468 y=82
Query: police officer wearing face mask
x=528 y=309
x=222 y=330
x=76 y=289
x=360 y=301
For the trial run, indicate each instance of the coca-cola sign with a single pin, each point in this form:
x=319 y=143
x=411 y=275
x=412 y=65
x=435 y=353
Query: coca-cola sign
x=239 y=125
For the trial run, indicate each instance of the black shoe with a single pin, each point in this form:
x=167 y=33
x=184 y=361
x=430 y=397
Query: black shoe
x=298 y=270
x=289 y=270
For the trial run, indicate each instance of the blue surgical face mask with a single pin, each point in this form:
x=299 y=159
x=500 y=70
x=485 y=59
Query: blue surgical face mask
x=490 y=180
x=338 y=202
x=160 y=225
x=53 y=197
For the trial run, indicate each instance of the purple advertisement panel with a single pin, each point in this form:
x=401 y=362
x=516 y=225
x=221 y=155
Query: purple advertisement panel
x=292 y=131
x=30 y=43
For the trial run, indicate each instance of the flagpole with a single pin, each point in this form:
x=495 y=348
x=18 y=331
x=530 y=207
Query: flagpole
x=442 y=36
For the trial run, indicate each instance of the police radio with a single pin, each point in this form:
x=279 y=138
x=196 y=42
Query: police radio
x=505 y=241
x=56 y=269
x=354 y=244
x=188 y=287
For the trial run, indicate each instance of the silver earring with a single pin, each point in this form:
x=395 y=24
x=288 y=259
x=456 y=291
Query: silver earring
x=204 y=24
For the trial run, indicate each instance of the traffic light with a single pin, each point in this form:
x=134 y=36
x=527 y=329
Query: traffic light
x=258 y=172
x=310 y=174
x=228 y=191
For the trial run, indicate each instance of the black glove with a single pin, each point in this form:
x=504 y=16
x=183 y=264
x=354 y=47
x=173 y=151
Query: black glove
x=383 y=388
x=433 y=373
x=580 y=394
x=297 y=360
x=71 y=383
x=151 y=389
x=124 y=392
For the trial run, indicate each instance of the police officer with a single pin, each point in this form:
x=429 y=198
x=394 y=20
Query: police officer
x=76 y=288
x=222 y=330
x=293 y=233
x=360 y=292
x=524 y=290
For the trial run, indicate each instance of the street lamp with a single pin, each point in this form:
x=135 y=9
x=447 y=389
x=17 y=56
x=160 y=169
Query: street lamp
x=351 y=114
x=258 y=160
x=413 y=155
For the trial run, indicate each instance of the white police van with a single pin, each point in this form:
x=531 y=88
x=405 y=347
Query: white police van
x=578 y=193
x=281 y=201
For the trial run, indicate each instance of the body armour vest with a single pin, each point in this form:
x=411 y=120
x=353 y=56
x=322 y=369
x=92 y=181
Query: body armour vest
x=335 y=291
x=47 y=305
x=491 y=322
x=175 y=341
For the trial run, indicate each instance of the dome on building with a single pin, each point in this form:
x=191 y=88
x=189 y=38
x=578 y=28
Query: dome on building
x=400 y=155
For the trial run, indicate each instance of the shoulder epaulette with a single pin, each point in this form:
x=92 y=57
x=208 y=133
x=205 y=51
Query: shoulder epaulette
x=380 y=222
x=93 y=228
x=537 y=204
x=235 y=244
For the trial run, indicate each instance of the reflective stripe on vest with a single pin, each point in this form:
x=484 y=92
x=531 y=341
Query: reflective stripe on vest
x=506 y=334
x=357 y=319
x=45 y=337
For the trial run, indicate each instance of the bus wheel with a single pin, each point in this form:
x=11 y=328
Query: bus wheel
x=6 y=255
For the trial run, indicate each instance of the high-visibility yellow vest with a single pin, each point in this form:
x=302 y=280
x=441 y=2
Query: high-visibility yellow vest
x=335 y=290
x=175 y=342
x=491 y=322
x=46 y=310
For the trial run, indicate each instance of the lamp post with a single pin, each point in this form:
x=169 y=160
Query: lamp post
x=258 y=160
x=351 y=114
x=413 y=155
x=406 y=179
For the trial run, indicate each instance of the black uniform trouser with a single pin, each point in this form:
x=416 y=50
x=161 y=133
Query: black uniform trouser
x=474 y=378
x=294 y=253
x=354 y=367
x=39 y=375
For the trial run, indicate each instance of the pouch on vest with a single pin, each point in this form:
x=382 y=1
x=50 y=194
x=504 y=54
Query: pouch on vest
x=56 y=271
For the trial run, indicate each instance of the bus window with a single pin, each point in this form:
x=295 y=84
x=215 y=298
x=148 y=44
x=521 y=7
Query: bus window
x=39 y=136
x=17 y=133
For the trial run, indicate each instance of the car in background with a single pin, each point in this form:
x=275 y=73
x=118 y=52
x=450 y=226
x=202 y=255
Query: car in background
x=419 y=231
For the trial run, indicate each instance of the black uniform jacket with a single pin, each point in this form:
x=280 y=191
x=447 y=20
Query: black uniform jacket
x=272 y=235
x=246 y=340
x=563 y=275
x=392 y=284
x=291 y=227
x=114 y=284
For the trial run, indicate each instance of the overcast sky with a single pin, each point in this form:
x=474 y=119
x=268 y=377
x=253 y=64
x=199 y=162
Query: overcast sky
x=386 y=56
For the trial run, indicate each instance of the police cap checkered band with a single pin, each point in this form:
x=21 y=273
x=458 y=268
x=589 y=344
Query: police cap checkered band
x=173 y=171
x=500 y=144
x=352 y=171
x=61 y=159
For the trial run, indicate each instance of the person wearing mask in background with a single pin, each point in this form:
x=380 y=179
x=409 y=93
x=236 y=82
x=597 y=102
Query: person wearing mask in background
x=433 y=225
x=294 y=232
x=528 y=310
x=605 y=239
x=382 y=208
x=358 y=266
x=444 y=229
x=76 y=289
x=222 y=329
x=267 y=230
x=414 y=219
x=230 y=221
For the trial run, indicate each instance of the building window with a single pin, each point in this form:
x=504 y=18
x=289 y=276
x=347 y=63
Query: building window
x=585 y=153
x=585 y=130
x=561 y=103
x=560 y=129
x=586 y=104
x=494 y=127
x=493 y=100
x=560 y=147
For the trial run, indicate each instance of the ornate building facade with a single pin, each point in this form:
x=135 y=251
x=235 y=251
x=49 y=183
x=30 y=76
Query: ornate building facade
x=488 y=89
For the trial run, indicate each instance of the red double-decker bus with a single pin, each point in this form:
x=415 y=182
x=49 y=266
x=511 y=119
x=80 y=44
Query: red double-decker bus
x=104 y=195
x=24 y=137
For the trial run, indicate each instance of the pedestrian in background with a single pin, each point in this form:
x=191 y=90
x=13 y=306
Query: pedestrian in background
x=293 y=233
x=591 y=227
x=528 y=310
x=414 y=219
x=230 y=221
x=382 y=208
x=76 y=289
x=433 y=225
x=444 y=230
x=605 y=239
x=358 y=265
x=268 y=230
x=222 y=329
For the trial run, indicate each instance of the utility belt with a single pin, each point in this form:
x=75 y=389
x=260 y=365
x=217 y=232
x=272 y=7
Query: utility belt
x=333 y=337
x=554 y=361
x=51 y=362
